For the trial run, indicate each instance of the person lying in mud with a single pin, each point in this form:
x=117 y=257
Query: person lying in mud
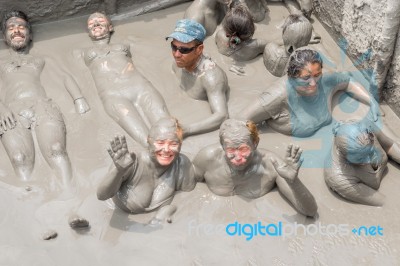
x=296 y=33
x=200 y=77
x=299 y=104
x=358 y=160
x=146 y=181
x=235 y=40
x=123 y=90
x=25 y=107
x=237 y=167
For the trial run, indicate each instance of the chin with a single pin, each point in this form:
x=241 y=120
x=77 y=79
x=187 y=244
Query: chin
x=165 y=161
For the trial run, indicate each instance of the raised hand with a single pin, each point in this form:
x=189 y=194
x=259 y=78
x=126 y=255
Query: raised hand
x=289 y=168
x=119 y=153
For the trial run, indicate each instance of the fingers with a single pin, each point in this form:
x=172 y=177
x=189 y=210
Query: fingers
x=118 y=147
x=294 y=152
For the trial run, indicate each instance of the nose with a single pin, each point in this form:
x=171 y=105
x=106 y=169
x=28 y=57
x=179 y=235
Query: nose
x=313 y=82
x=165 y=147
x=176 y=53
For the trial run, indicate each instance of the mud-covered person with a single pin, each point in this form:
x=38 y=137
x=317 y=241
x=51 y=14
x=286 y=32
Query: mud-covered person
x=235 y=38
x=236 y=167
x=200 y=77
x=147 y=181
x=358 y=161
x=25 y=106
x=127 y=96
x=299 y=103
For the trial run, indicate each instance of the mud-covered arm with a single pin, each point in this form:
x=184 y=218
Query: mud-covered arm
x=358 y=92
x=391 y=147
x=187 y=177
x=124 y=166
x=200 y=163
x=290 y=185
x=215 y=84
x=267 y=105
x=80 y=103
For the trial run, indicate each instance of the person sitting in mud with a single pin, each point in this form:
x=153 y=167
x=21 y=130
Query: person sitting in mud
x=358 y=160
x=300 y=103
x=296 y=33
x=237 y=167
x=235 y=37
x=143 y=182
x=123 y=90
x=199 y=76
x=25 y=106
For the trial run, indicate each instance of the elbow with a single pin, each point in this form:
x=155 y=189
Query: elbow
x=221 y=117
x=310 y=210
x=102 y=195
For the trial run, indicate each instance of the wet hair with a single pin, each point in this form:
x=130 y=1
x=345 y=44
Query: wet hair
x=239 y=24
x=299 y=59
x=166 y=124
x=298 y=32
x=353 y=137
x=14 y=14
x=253 y=131
x=232 y=128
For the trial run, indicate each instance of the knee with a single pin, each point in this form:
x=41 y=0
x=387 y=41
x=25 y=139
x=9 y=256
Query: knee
x=57 y=149
x=21 y=159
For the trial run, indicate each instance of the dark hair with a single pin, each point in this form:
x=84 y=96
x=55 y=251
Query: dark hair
x=299 y=59
x=14 y=14
x=238 y=22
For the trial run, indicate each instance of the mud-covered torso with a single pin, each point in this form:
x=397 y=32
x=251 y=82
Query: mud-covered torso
x=257 y=180
x=21 y=77
x=145 y=190
x=110 y=65
x=196 y=83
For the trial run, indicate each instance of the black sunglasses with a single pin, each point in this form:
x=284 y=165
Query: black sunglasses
x=183 y=50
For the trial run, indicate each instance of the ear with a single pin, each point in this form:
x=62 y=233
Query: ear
x=111 y=28
x=199 y=49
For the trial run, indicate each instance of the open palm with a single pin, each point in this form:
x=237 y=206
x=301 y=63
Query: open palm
x=289 y=168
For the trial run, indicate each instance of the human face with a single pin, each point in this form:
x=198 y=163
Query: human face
x=165 y=151
x=99 y=27
x=187 y=61
x=238 y=155
x=17 y=33
x=307 y=82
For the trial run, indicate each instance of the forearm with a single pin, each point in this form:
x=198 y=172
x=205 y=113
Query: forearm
x=394 y=152
x=302 y=199
x=209 y=124
x=72 y=88
x=111 y=183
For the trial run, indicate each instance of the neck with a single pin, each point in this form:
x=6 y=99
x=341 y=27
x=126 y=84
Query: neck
x=22 y=51
x=101 y=42
x=193 y=67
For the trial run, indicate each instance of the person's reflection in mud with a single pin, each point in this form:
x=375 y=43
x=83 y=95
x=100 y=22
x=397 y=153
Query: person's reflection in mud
x=128 y=97
x=147 y=181
x=25 y=106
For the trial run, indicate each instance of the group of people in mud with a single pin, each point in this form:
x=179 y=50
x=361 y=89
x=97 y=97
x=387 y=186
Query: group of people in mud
x=298 y=104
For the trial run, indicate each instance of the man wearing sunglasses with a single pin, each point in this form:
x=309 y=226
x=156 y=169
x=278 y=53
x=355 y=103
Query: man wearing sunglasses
x=200 y=77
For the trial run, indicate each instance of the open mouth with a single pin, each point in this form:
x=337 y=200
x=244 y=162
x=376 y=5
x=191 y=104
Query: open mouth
x=18 y=37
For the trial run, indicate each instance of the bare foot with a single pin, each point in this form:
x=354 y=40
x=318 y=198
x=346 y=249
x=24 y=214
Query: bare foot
x=77 y=222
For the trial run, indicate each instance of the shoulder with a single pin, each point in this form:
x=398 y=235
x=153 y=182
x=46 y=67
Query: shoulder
x=211 y=74
x=210 y=153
